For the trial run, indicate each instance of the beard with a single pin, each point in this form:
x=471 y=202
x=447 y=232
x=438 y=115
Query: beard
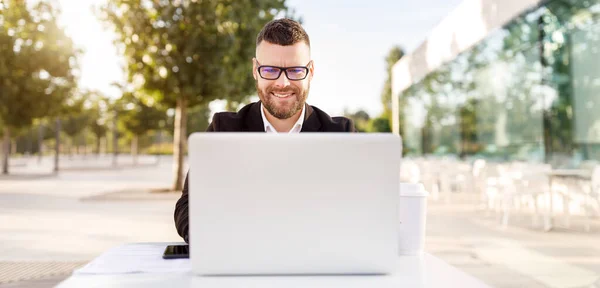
x=280 y=110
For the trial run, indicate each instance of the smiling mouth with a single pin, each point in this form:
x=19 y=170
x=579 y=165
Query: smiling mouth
x=282 y=95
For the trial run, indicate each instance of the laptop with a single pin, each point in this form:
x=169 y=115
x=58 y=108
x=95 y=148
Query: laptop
x=308 y=203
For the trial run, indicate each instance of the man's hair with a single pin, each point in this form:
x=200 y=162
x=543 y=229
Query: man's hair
x=283 y=32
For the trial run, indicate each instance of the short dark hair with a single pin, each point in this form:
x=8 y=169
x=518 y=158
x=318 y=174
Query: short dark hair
x=283 y=32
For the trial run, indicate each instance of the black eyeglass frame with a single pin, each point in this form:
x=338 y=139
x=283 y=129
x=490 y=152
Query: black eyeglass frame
x=284 y=70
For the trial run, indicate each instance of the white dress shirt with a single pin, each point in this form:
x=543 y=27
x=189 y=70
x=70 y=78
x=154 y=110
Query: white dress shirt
x=270 y=129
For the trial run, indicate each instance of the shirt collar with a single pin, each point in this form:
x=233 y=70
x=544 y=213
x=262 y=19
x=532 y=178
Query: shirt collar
x=295 y=129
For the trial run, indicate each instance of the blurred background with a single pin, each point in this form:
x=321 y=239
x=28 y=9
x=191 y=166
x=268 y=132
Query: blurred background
x=495 y=102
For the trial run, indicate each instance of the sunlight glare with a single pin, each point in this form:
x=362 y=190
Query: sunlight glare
x=99 y=62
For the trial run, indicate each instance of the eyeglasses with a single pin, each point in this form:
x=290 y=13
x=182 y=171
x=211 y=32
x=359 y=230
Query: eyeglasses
x=293 y=73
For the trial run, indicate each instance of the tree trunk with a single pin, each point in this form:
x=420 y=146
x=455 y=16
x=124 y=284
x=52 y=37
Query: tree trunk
x=179 y=143
x=159 y=146
x=104 y=146
x=134 y=150
x=57 y=146
x=98 y=141
x=84 y=145
x=29 y=143
x=70 y=149
x=115 y=141
x=40 y=142
x=5 y=151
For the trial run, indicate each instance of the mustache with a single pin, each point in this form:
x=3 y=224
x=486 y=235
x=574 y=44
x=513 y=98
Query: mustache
x=292 y=90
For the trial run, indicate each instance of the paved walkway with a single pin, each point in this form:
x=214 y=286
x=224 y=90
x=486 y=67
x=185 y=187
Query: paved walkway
x=53 y=223
x=518 y=256
x=49 y=225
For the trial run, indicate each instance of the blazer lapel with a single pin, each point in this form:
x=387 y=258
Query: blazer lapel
x=254 y=122
x=311 y=121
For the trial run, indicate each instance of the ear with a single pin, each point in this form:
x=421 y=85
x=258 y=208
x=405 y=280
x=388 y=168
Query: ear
x=311 y=70
x=254 y=67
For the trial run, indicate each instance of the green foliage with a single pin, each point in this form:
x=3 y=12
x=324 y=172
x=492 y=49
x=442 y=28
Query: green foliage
x=98 y=113
x=99 y=130
x=74 y=117
x=188 y=53
x=364 y=123
x=73 y=125
x=197 y=51
x=380 y=125
x=197 y=120
x=36 y=63
x=360 y=119
x=137 y=117
x=395 y=54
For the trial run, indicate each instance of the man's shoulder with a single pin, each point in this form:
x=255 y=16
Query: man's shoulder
x=333 y=123
x=231 y=121
x=248 y=118
x=235 y=115
x=227 y=116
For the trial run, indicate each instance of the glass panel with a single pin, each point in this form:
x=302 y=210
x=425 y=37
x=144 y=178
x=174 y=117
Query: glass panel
x=529 y=91
x=571 y=50
x=585 y=70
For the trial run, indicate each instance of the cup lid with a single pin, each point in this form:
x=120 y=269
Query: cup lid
x=413 y=190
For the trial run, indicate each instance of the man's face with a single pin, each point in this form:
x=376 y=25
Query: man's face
x=283 y=98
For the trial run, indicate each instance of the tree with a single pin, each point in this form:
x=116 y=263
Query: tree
x=98 y=121
x=35 y=67
x=188 y=53
x=73 y=126
x=198 y=120
x=380 y=125
x=75 y=117
x=87 y=112
x=99 y=129
x=73 y=107
x=138 y=118
x=360 y=119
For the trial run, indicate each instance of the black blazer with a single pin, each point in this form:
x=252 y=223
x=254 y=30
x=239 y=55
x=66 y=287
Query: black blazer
x=249 y=119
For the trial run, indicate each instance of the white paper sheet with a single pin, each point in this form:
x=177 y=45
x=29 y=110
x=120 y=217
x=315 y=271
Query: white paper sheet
x=135 y=258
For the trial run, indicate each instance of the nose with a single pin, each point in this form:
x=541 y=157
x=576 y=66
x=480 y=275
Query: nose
x=282 y=81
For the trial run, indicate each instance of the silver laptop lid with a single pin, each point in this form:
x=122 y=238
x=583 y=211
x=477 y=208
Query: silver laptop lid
x=309 y=203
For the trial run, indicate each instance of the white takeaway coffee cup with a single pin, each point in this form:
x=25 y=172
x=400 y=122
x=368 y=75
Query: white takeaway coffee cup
x=413 y=212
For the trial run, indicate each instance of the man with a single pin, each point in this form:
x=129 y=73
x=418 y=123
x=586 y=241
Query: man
x=283 y=70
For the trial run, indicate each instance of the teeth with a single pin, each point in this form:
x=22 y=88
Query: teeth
x=282 y=95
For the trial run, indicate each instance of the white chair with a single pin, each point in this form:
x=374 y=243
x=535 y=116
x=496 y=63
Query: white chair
x=533 y=189
x=580 y=195
x=429 y=177
x=522 y=185
x=494 y=185
x=445 y=177
x=592 y=197
x=463 y=179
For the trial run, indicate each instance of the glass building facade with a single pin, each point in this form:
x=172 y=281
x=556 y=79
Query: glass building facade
x=529 y=91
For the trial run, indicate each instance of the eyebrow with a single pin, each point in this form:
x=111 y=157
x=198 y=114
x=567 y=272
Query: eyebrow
x=299 y=65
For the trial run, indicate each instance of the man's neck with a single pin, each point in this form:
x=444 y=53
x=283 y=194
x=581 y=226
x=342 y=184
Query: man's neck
x=282 y=125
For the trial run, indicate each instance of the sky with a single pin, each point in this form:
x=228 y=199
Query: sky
x=349 y=43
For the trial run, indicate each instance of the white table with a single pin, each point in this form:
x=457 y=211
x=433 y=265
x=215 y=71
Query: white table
x=413 y=271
